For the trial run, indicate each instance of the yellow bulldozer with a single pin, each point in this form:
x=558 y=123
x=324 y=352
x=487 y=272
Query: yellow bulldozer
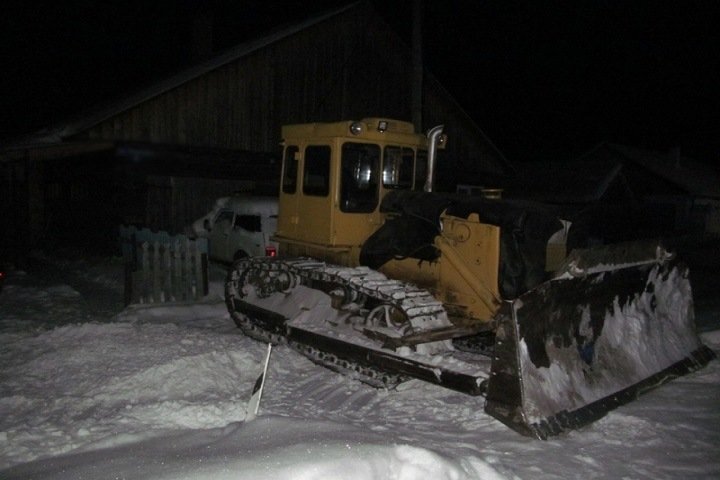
x=381 y=278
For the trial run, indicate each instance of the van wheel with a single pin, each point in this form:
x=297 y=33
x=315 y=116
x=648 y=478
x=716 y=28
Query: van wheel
x=239 y=255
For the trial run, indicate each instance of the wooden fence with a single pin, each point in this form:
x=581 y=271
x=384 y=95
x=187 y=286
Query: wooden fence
x=163 y=268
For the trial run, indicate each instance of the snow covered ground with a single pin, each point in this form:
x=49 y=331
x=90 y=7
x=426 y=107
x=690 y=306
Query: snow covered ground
x=91 y=390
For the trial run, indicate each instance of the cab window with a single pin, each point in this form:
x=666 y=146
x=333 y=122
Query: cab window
x=398 y=167
x=290 y=168
x=359 y=177
x=316 y=174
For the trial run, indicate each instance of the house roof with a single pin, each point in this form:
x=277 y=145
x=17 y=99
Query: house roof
x=564 y=181
x=694 y=177
x=57 y=134
x=85 y=120
x=587 y=178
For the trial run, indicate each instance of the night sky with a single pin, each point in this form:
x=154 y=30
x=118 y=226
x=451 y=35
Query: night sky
x=543 y=79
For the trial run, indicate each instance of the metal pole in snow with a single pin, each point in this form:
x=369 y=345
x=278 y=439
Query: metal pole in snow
x=254 y=403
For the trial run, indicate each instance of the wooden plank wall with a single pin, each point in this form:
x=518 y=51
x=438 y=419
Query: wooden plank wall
x=349 y=66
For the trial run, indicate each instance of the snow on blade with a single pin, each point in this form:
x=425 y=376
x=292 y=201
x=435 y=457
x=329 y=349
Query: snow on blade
x=637 y=338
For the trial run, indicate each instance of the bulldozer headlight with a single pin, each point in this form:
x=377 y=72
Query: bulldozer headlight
x=356 y=128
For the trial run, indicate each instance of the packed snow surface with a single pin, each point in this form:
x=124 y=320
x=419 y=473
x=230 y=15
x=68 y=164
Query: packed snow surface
x=161 y=392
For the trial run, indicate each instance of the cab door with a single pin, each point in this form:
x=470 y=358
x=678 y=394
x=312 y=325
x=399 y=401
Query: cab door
x=288 y=202
x=356 y=216
x=246 y=237
x=219 y=236
x=305 y=202
x=314 y=210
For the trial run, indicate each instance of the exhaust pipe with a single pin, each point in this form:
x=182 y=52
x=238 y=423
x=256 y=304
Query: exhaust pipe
x=434 y=137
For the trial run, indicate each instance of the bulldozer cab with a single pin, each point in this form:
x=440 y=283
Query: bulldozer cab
x=334 y=176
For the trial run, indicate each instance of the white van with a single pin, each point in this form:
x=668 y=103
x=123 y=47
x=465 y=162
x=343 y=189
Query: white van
x=239 y=226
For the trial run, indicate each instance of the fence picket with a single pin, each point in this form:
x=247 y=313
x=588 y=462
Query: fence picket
x=161 y=268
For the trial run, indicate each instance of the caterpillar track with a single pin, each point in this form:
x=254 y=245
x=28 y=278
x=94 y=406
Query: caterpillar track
x=353 y=320
x=358 y=322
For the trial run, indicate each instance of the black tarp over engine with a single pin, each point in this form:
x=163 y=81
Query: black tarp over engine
x=415 y=222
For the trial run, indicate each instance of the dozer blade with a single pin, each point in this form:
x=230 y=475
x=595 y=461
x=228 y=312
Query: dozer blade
x=582 y=344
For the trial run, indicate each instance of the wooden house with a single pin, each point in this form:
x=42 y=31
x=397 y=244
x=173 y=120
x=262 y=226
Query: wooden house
x=219 y=121
x=686 y=191
x=622 y=189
